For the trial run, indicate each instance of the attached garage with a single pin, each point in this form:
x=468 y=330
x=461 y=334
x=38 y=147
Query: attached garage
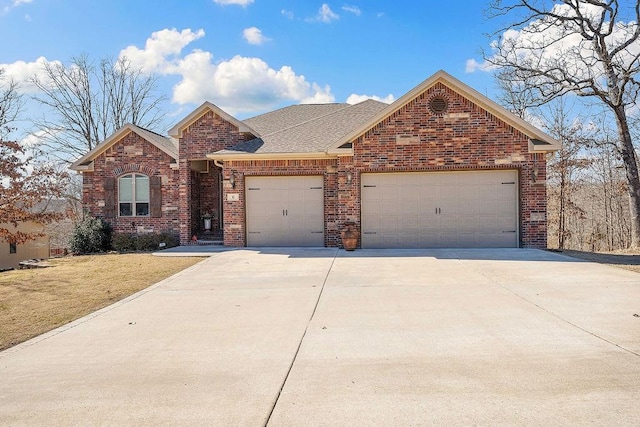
x=285 y=210
x=440 y=209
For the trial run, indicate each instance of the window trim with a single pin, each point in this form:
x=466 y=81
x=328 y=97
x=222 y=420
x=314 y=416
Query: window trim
x=134 y=202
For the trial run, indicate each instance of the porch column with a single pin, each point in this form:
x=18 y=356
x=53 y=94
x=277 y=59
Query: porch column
x=185 y=201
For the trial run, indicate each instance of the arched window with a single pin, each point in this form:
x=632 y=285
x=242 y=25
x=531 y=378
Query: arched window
x=133 y=195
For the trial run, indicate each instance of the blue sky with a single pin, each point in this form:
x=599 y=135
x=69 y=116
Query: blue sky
x=254 y=56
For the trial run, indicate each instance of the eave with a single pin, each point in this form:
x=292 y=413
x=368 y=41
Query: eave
x=269 y=156
x=85 y=163
x=550 y=144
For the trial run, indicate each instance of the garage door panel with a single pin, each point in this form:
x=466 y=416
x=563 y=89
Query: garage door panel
x=440 y=209
x=285 y=211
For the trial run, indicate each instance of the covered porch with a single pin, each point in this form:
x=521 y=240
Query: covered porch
x=206 y=201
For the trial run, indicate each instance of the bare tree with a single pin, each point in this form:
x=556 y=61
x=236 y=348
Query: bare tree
x=85 y=103
x=566 y=164
x=515 y=95
x=11 y=103
x=586 y=47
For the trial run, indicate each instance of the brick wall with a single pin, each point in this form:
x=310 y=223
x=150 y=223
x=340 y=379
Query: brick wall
x=234 y=210
x=207 y=134
x=464 y=137
x=133 y=154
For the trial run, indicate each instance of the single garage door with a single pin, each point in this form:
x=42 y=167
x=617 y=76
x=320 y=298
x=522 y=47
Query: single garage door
x=285 y=211
x=440 y=209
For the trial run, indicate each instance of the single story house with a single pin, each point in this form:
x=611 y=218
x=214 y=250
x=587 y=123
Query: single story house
x=442 y=166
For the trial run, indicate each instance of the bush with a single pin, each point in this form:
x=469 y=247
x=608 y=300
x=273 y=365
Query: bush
x=143 y=242
x=90 y=235
x=122 y=242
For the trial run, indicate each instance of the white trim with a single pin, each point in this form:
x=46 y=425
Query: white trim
x=464 y=90
x=134 y=201
x=176 y=131
x=269 y=156
x=113 y=139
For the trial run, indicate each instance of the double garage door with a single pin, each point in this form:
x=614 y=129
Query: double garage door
x=440 y=209
x=398 y=210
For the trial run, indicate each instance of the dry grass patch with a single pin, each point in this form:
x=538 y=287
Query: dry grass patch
x=35 y=301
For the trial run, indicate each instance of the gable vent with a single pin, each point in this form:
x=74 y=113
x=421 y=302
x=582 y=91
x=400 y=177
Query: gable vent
x=438 y=105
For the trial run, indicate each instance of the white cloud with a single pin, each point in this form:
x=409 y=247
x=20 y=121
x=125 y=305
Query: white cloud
x=352 y=9
x=240 y=84
x=33 y=140
x=243 y=3
x=320 y=95
x=472 y=66
x=546 y=46
x=159 y=49
x=253 y=35
x=22 y=72
x=356 y=99
x=13 y=4
x=287 y=14
x=325 y=15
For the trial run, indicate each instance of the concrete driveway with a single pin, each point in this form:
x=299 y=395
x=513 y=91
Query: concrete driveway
x=293 y=337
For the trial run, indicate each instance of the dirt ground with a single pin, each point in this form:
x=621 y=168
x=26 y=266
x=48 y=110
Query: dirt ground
x=628 y=259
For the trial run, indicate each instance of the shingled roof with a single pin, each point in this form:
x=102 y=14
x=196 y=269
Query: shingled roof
x=305 y=128
x=168 y=145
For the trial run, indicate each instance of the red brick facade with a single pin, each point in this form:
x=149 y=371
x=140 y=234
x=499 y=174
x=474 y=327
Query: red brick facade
x=200 y=193
x=414 y=138
x=234 y=211
x=466 y=137
x=132 y=153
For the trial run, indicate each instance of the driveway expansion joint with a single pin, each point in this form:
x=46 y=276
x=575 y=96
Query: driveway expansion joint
x=557 y=316
x=306 y=328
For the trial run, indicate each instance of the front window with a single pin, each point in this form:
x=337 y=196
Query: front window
x=133 y=195
x=13 y=247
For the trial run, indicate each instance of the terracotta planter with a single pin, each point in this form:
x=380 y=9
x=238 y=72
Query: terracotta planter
x=349 y=235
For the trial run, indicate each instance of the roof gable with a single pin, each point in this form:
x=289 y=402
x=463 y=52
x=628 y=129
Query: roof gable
x=543 y=142
x=207 y=106
x=163 y=143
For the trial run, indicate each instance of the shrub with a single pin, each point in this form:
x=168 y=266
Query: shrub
x=122 y=242
x=90 y=235
x=143 y=242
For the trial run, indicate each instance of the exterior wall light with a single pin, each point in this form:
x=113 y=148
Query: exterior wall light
x=349 y=177
x=232 y=180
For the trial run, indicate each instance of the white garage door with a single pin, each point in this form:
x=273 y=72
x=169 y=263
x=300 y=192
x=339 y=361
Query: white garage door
x=285 y=211
x=440 y=209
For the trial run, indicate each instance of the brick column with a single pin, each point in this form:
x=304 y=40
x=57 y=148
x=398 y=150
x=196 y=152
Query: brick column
x=184 y=190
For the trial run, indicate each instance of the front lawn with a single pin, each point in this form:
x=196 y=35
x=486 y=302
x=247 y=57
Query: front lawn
x=36 y=301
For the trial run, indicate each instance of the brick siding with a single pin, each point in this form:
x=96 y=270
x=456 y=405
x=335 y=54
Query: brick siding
x=199 y=193
x=464 y=137
x=133 y=153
